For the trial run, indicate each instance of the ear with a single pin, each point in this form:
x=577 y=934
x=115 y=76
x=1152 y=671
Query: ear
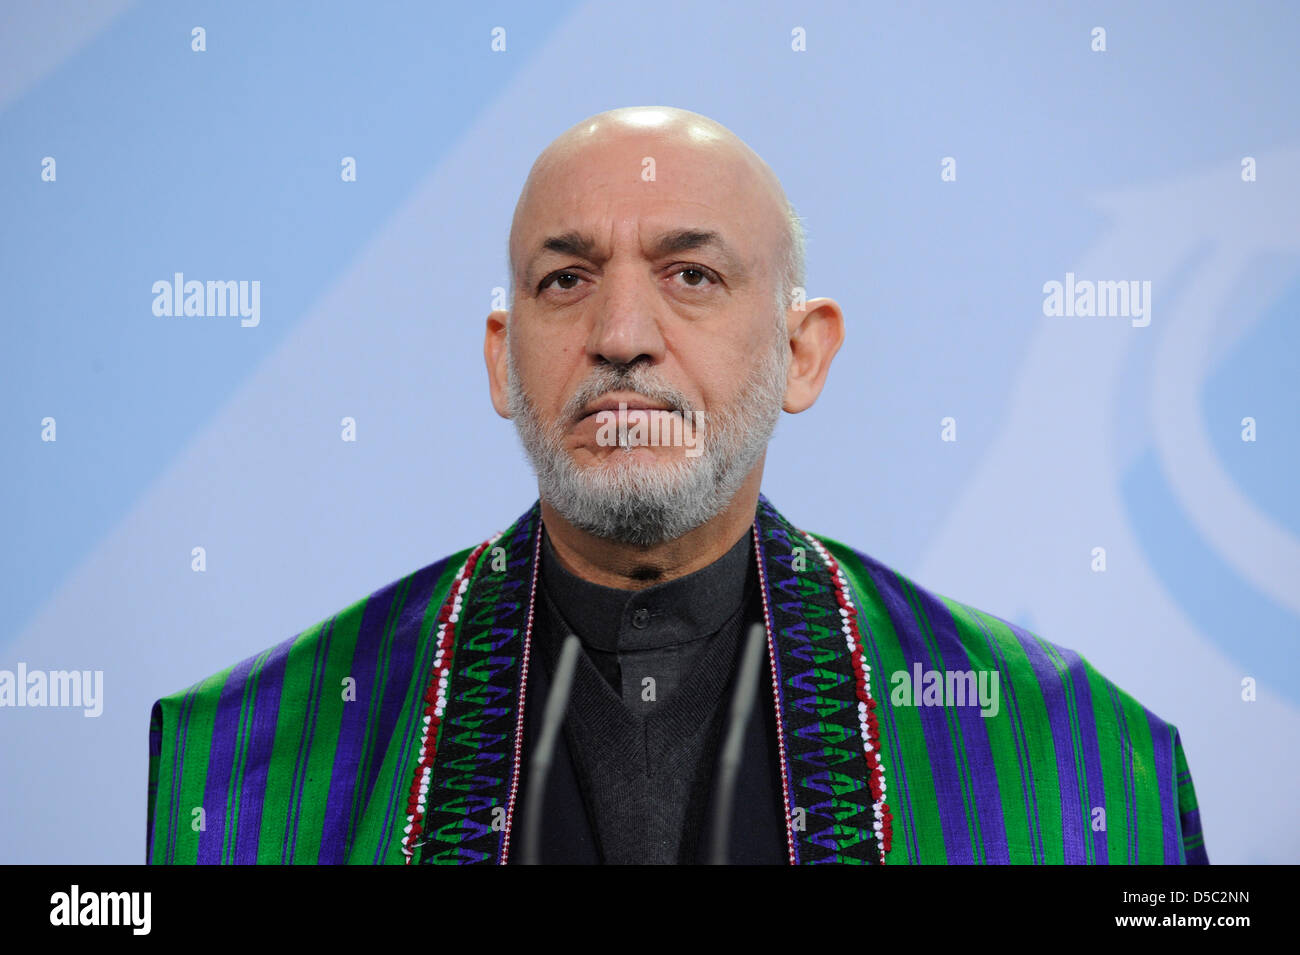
x=816 y=333
x=496 y=354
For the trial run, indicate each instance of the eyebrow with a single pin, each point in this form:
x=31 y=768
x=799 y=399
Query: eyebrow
x=583 y=246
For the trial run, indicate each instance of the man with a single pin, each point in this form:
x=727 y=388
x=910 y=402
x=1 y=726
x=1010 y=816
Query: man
x=657 y=329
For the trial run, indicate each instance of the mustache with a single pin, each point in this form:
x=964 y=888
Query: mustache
x=609 y=379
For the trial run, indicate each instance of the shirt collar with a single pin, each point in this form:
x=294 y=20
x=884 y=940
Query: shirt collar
x=674 y=612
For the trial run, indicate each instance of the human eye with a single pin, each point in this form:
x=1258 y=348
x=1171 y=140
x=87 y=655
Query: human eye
x=564 y=275
x=696 y=275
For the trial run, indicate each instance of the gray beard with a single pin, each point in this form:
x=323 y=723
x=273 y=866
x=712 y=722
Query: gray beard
x=647 y=504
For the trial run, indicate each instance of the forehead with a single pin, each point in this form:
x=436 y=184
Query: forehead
x=646 y=185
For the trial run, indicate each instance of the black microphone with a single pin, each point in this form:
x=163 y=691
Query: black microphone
x=539 y=765
x=742 y=704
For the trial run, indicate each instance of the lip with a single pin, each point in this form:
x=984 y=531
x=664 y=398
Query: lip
x=612 y=403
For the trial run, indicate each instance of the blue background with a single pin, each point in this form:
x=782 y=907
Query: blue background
x=1072 y=432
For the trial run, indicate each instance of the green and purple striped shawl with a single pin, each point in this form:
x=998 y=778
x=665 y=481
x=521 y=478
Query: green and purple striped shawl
x=308 y=752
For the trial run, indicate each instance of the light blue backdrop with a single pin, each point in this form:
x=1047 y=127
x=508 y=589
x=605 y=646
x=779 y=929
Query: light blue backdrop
x=1072 y=433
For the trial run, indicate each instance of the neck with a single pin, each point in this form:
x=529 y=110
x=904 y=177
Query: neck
x=632 y=567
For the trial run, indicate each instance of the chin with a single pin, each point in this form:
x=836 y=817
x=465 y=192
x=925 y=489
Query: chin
x=616 y=459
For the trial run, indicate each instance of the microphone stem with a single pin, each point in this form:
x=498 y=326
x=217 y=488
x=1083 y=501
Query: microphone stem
x=742 y=704
x=539 y=765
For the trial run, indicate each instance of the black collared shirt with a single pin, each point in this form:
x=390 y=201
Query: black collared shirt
x=633 y=780
x=644 y=642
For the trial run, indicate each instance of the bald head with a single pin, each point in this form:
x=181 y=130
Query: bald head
x=668 y=157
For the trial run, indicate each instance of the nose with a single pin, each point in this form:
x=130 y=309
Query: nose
x=626 y=329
